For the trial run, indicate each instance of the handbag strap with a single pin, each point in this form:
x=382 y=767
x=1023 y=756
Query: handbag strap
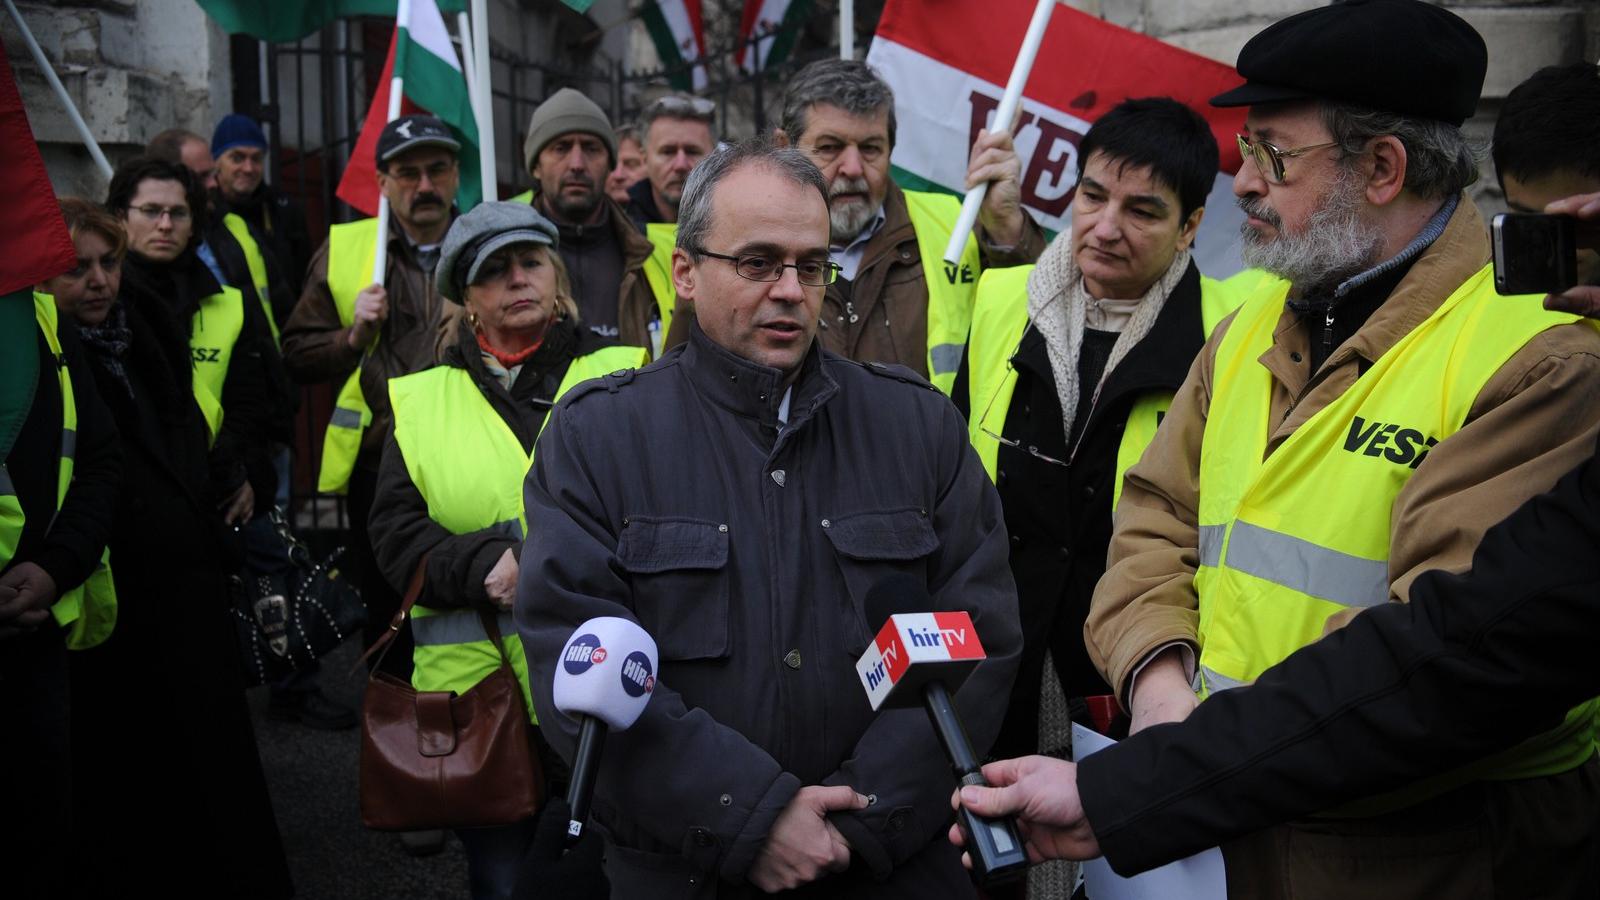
x=385 y=640
x=491 y=627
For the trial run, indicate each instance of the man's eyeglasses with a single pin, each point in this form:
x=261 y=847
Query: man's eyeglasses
x=983 y=420
x=760 y=267
x=1269 y=159
x=154 y=212
x=411 y=175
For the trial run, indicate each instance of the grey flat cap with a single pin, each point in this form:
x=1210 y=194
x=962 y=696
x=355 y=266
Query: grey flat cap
x=479 y=233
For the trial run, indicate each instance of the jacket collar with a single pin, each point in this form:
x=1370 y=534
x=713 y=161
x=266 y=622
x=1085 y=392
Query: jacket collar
x=641 y=198
x=896 y=229
x=752 y=390
x=1456 y=255
x=636 y=248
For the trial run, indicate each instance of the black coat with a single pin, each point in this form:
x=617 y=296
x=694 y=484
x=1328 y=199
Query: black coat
x=282 y=222
x=251 y=404
x=283 y=396
x=161 y=729
x=1059 y=518
x=1473 y=664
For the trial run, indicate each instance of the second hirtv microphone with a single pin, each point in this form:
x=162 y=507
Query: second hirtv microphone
x=921 y=659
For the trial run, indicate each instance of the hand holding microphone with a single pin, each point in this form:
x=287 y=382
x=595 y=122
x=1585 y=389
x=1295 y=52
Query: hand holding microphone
x=604 y=682
x=921 y=659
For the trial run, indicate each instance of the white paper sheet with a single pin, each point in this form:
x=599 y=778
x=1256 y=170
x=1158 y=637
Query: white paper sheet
x=1200 y=877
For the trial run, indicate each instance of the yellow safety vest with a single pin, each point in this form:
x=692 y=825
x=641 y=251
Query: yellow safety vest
x=213 y=333
x=469 y=467
x=88 y=611
x=254 y=261
x=658 y=272
x=1289 y=540
x=951 y=289
x=352 y=247
x=998 y=322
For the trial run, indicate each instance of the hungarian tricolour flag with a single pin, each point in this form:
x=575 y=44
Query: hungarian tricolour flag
x=38 y=247
x=279 y=21
x=433 y=82
x=948 y=62
x=779 y=22
x=680 y=37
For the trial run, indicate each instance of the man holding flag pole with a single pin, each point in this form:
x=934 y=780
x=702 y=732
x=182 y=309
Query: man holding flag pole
x=369 y=311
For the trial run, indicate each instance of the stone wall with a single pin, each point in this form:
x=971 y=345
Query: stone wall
x=132 y=68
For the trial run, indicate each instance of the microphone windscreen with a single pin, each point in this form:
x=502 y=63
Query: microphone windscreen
x=899 y=593
x=607 y=670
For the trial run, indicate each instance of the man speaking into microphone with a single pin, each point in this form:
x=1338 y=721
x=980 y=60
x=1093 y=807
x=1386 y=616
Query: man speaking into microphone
x=739 y=498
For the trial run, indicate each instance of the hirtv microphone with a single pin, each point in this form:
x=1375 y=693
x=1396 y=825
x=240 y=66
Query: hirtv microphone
x=605 y=679
x=921 y=659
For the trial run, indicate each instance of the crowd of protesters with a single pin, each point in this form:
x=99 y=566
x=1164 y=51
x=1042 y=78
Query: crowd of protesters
x=738 y=394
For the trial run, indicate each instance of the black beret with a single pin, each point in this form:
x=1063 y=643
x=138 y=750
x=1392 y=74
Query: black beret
x=1399 y=56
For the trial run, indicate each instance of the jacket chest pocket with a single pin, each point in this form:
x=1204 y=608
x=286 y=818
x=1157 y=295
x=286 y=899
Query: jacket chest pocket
x=680 y=586
x=870 y=547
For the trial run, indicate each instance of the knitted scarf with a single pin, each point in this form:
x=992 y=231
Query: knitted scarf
x=1059 y=306
x=110 y=341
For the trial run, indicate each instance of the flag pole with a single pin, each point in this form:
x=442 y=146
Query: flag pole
x=89 y=142
x=483 y=107
x=464 y=35
x=847 y=29
x=1003 y=118
x=402 y=22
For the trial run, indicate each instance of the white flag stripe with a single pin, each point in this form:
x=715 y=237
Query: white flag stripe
x=933 y=111
x=428 y=32
x=770 y=17
x=676 y=14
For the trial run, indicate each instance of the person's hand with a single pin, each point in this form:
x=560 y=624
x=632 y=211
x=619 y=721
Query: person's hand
x=501 y=582
x=1161 y=693
x=239 y=505
x=372 y=307
x=994 y=159
x=551 y=872
x=26 y=594
x=1042 y=793
x=803 y=845
x=1584 y=299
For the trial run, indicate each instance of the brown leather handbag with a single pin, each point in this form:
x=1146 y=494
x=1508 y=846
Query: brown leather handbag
x=433 y=759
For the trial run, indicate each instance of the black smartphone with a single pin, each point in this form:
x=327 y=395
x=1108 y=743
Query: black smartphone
x=1533 y=254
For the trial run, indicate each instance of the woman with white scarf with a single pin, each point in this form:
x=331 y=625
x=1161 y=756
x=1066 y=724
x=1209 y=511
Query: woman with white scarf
x=1069 y=367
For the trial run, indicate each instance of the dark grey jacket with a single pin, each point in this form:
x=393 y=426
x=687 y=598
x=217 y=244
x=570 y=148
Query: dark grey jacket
x=670 y=495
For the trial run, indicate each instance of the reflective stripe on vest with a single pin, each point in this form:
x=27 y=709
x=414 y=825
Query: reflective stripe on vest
x=658 y=272
x=352 y=247
x=440 y=417
x=1289 y=540
x=999 y=318
x=253 y=261
x=88 y=611
x=951 y=289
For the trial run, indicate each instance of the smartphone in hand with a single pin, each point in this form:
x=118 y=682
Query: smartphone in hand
x=1533 y=254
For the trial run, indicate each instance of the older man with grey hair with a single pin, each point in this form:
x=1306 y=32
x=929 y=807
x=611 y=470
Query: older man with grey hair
x=739 y=498
x=896 y=300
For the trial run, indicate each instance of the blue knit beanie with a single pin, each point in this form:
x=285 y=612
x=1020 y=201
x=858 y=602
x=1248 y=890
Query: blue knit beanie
x=236 y=130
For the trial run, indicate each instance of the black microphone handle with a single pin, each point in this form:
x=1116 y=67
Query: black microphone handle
x=585 y=765
x=993 y=844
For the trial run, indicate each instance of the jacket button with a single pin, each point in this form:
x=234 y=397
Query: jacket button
x=1088 y=492
x=779 y=476
x=1295 y=356
x=726 y=799
x=722 y=528
x=1016 y=540
x=1000 y=480
x=1066 y=553
x=792 y=659
x=702 y=838
x=826 y=524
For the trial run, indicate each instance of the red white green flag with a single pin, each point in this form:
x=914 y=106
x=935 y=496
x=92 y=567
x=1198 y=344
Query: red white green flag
x=779 y=21
x=676 y=29
x=948 y=62
x=433 y=82
x=280 y=21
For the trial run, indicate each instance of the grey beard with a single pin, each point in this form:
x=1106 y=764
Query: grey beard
x=845 y=223
x=1334 y=245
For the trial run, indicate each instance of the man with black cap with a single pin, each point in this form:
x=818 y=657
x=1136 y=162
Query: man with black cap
x=1311 y=466
x=350 y=328
x=570 y=150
